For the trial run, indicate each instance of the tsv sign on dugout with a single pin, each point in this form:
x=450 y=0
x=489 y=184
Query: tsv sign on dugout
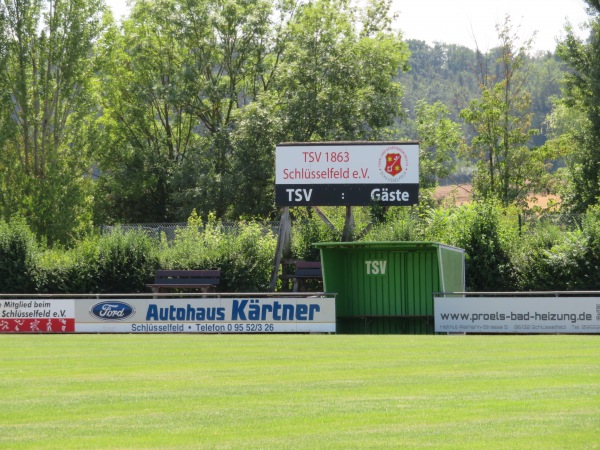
x=347 y=174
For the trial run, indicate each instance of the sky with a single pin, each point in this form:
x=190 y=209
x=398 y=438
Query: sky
x=472 y=22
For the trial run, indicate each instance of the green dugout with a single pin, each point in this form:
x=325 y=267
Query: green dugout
x=388 y=287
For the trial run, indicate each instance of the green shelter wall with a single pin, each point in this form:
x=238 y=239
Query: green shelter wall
x=388 y=287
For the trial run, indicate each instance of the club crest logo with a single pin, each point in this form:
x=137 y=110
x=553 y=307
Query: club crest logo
x=393 y=164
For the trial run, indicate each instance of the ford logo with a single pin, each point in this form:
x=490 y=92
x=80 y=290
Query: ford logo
x=112 y=310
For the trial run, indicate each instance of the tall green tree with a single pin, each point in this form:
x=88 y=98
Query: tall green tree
x=254 y=139
x=48 y=105
x=234 y=51
x=337 y=79
x=502 y=122
x=180 y=71
x=582 y=93
x=147 y=132
x=440 y=141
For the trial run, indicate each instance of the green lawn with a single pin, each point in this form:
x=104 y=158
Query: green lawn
x=299 y=391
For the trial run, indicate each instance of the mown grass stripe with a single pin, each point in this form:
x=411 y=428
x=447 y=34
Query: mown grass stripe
x=299 y=391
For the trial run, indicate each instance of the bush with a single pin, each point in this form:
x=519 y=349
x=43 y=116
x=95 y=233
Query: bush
x=121 y=262
x=196 y=246
x=244 y=256
x=18 y=257
x=248 y=262
x=589 y=264
x=398 y=226
x=498 y=258
x=69 y=271
x=488 y=266
x=125 y=262
x=550 y=258
x=479 y=230
x=543 y=258
x=308 y=229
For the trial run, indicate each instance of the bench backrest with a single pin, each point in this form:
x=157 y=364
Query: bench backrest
x=308 y=269
x=188 y=277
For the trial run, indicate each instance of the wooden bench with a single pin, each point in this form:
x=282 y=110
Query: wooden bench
x=202 y=280
x=306 y=270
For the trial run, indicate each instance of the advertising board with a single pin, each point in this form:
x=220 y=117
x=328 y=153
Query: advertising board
x=576 y=315
x=353 y=174
x=37 y=315
x=169 y=315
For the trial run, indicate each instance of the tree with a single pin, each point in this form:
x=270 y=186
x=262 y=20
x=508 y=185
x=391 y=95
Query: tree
x=582 y=93
x=336 y=80
x=234 y=52
x=256 y=134
x=440 y=140
x=48 y=104
x=502 y=122
x=179 y=71
x=544 y=83
x=147 y=132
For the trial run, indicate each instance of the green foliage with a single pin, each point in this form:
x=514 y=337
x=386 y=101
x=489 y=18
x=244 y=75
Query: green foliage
x=478 y=229
x=49 y=105
x=308 y=229
x=116 y=262
x=400 y=225
x=488 y=264
x=549 y=259
x=582 y=94
x=440 y=140
x=254 y=140
x=334 y=83
x=18 y=257
x=248 y=263
x=501 y=118
x=244 y=256
x=176 y=76
x=126 y=261
x=197 y=246
x=146 y=133
x=181 y=105
x=500 y=254
x=63 y=271
x=446 y=225
x=590 y=263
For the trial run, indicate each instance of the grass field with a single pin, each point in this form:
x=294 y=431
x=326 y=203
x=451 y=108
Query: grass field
x=299 y=391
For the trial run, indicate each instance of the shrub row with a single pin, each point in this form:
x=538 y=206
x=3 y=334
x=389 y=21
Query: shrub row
x=115 y=263
x=124 y=262
x=500 y=255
